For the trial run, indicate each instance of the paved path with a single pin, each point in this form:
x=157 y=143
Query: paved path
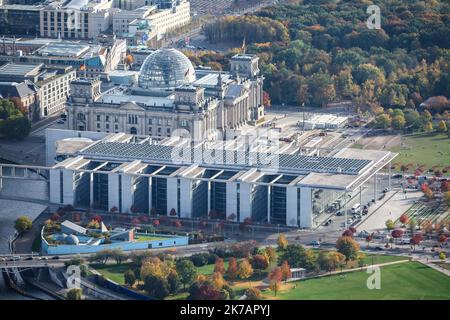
x=432 y=264
x=392 y=209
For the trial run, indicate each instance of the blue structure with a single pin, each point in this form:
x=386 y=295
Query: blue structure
x=85 y=244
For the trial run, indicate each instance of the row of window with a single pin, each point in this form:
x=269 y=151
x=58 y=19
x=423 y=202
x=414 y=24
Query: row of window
x=150 y=129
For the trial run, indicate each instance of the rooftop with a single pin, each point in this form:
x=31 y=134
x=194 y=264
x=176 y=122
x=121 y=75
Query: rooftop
x=239 y=159
x=16 y=69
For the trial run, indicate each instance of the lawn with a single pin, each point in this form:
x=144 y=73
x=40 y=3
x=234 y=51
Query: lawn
x=113 y=272
x=141 y=238
x=424 y=148
x=381 y=258
x=209 y=268
x=406 y=281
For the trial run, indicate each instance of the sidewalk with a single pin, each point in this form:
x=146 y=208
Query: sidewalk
x=433 y=265
x=391 y=209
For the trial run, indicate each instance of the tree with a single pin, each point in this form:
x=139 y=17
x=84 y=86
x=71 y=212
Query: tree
x=259 y=262
x=253 y=294
x=390 y=224
x=282 y=242
x=15 y=127
x=442 y=126
x=187 y=271
x=369 y=239
x=429 y=126
x=427 y=192
x=244 y=269
x=398 y=122
x=416 y=240
x=102 y=256
x=271 y=254
x=285 y=271
x=276 y=274
x=397 y=233
x=383 y=121
x=447 y=197
x=156 y=286
x=23 y=224
x=219 y=266
x=201 y=290
x=275 y=286
x=74 y=294
x=442 y=256
x=217 y=280
x=173 y=280
x=298 y=257
x=404 y=219
x=412 y=226
x=348 y=247
x=130 y=277
x=442 y=239
x=232 y=271
x=119 y=256
x=330 y=261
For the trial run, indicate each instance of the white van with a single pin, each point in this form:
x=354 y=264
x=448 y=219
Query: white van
x=356 y=208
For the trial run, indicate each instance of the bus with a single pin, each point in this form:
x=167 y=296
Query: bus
x=356 y=208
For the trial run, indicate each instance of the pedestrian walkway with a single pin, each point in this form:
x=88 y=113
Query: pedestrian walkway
x=391 y=209
x=432 y=264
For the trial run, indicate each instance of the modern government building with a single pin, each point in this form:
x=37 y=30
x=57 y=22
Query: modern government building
x=141 y=174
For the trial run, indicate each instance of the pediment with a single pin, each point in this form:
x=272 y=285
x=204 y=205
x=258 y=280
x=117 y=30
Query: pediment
x=132 y=106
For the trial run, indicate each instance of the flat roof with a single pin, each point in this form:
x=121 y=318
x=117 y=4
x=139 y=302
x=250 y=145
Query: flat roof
x=290 y=164
x=20 y=69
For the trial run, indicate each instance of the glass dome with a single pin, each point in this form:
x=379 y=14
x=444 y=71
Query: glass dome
x=166 y=68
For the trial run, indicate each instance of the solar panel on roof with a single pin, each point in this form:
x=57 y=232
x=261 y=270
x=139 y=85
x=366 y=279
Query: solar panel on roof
x=290 y=163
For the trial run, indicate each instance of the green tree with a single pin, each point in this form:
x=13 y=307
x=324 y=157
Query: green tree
x=390 y=224
x=297 y=257
x=74 y=294
x=173 y=280
x=413 y=119
x=383 y=121
x=130 y=277
x=447 y=197
x=156 y=286
x=398 y=122
x=23 y=224
x=119 y=256
x=348 y=247
x=186 y=271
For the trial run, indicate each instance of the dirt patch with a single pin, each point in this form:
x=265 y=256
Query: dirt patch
x=380 y=142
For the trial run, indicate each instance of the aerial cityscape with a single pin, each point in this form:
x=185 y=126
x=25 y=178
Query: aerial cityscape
x=225 y=150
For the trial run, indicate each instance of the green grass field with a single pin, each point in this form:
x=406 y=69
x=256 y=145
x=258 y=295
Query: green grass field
x=406 y=281
x=113 y=272
x=424 y=148
x=209 y=268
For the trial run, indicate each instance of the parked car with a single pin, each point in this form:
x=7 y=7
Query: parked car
x=29 y=258
x=55 y=258
x=379 y=248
